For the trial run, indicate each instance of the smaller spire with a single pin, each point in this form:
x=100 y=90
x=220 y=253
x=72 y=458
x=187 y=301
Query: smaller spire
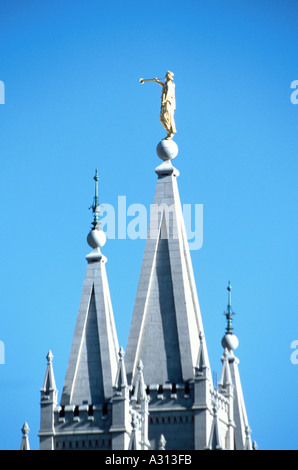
x=140 y=387
x=49 y=384
x=140 y=366
x=215 y=438
x=121 y=354
x=135 y=433
x=121 y=380
x=25 y=439
x=248 y=443
x=162 y=443
x=201 y=364
x=225 y=377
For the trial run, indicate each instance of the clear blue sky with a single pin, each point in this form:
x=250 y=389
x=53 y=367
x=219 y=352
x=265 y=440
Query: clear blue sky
x=73 y=103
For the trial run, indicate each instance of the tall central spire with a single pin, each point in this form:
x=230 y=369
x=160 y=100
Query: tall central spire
x=166 y=325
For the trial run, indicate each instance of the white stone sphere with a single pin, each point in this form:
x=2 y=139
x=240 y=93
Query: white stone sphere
x=167 y=150
x=230 y=341
x=96 y=238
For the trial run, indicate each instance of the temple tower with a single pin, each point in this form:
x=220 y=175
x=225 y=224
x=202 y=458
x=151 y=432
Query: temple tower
x=160 y=394
x=94 y=410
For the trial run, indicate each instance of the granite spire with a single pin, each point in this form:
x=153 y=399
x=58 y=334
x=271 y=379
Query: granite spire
x=93 y=361
x=166 y=324
x=230 y=376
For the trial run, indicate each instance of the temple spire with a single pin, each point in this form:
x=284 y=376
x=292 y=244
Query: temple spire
x=167 y=323
x=48 y=402
x=93 y=361
x=215 y=437
x=242 y=439
x=121 y=379
x=49 y=384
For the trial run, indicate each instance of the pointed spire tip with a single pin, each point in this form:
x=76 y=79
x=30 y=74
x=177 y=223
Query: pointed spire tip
x=25 y=429
x=121 y=353
x=50 y=356
x=96 y=177
x=229 y=314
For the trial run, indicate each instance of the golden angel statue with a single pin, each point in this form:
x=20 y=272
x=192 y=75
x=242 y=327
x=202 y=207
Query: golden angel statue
x=168 y=103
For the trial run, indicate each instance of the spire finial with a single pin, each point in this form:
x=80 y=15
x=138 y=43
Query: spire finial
x=229 y=341
x=25 y=429
x=96 y=237
x=229 y=314
x=25 y=439
x=162 y=443
x=50 y=357
x=140 y=366
x=121 y=354
x=95 y=206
